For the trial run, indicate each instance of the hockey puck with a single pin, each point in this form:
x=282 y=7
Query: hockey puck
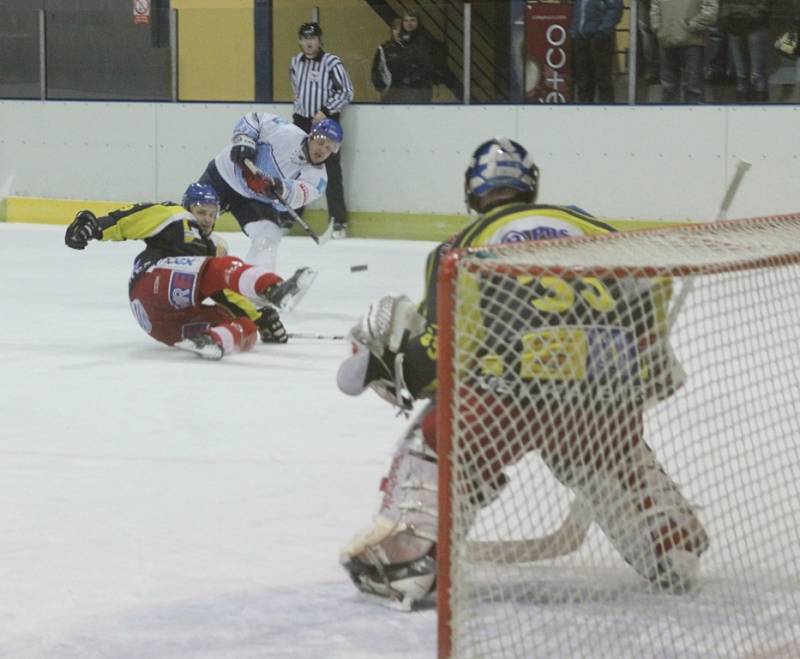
x=358 y=268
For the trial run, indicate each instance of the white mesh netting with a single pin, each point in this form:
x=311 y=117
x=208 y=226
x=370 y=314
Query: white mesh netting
x=626 y=445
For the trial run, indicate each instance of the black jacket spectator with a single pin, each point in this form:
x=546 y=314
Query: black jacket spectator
x=416 y=63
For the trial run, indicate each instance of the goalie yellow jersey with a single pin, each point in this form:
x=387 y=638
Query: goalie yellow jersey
x=605 y=320
x=510 y=223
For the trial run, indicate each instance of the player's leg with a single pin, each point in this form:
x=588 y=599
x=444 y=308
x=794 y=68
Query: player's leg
x=231 y=273
x=166 y=302
x=394 y=557
x=261 y=223
x=639 y=508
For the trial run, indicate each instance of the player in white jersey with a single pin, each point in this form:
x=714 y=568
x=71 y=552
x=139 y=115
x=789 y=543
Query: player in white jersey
x=292 y=173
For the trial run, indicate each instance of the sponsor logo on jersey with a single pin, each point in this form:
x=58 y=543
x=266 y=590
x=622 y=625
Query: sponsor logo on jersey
x=535 y=233
x=612 y=354
x=190 y=261
x=181 y=285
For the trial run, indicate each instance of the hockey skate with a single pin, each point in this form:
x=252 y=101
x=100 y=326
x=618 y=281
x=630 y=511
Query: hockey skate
x=287 y=295
x=202 y=345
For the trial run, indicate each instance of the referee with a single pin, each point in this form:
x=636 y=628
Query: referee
x=322 y=89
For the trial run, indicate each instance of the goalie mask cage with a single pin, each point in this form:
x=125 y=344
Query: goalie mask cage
x=619 y=445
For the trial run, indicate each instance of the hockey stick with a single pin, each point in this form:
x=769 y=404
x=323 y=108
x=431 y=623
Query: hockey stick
x=318 y=337
x=565 y=540
x=742 y=166
x=319 y=239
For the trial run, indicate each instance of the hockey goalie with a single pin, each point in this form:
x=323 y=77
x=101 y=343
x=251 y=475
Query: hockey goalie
x=534 y=386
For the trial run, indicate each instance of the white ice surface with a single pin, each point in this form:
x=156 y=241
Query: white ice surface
x=156 y=505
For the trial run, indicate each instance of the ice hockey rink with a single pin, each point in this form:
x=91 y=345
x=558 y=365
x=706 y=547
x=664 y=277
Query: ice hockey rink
x=158 y=505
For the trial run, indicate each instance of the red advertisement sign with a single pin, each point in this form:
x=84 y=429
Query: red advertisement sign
x=141 y=11
x=548 y=66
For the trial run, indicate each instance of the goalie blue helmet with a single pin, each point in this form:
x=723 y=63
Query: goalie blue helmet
x=329 y=128
x=500 y=164
x=199 y=193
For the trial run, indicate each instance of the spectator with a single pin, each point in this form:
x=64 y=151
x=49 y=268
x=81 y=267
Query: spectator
x=322 y=89
x=420 y=63
x=649 y=42
x=592 y=31
x=681 y=27
x=746 y=22
x=384 y=63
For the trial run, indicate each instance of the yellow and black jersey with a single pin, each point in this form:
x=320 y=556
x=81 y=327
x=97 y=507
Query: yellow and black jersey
x=602 y=317
x=510 y=223
x=167 y=229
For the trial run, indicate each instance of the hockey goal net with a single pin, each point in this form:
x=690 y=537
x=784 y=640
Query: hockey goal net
x=619 y=445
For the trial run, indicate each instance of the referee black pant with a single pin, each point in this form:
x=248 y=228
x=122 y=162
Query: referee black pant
x=334 y=193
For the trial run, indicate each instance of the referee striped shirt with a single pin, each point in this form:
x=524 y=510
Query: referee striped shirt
x=318 y=84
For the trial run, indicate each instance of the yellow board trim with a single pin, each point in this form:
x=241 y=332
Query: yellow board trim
x=362 y=224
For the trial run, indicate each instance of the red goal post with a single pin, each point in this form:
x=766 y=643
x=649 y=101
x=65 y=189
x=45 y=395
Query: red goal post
x=482 y=538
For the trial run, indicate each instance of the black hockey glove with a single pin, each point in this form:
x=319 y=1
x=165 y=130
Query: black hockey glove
x=244 y=148
x=83 y=229
x=270 y=327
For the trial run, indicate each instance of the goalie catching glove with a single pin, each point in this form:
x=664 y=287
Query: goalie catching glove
x=378 y=342
x=83 y=229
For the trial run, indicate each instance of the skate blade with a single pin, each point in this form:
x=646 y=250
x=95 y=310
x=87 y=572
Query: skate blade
x=304 y=281
x=211 y=351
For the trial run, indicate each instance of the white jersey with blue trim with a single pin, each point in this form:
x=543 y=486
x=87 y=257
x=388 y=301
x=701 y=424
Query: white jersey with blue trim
x=280 y=154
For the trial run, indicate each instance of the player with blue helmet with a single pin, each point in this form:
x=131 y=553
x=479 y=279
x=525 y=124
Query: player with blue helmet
x=270 y=166
x=328 y=130
x=500 y=165
x=202 y=201
x=185 y=290
x=395 y=354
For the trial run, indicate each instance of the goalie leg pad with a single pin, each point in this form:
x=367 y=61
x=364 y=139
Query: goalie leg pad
x=393 y=557
x=644 y=515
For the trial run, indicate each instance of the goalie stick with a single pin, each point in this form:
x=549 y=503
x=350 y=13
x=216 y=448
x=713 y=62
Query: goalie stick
x=742 y=166
x=566 y=539
x=320 y=239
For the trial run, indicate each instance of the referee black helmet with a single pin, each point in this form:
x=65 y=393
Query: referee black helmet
x=309 y=30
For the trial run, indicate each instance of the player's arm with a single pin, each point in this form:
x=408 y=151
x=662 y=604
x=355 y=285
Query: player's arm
x=128 y=223
x=341 y=90
x=302 y=191
x=252 y=128
x=245 y=138
x=394 y=353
